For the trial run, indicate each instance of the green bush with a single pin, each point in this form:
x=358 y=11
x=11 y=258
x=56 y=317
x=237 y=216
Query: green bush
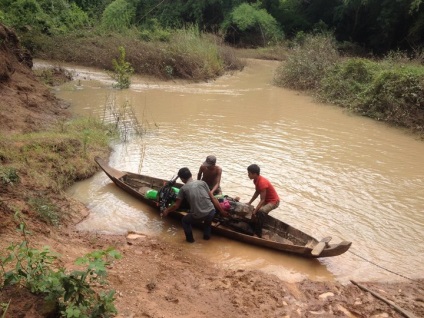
x=43 y=16
x=307 y=63
x=21 y=13
x=396 y=96
x=117 y=16
x=346 y=83
x=46 y=210
x=390 y=90
x=122 y=70
x=153 y=31
x=8 y=175
x=69 y=294
x=251 y=24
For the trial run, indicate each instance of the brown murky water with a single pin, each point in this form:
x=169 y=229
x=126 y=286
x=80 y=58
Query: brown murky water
x=338 y=175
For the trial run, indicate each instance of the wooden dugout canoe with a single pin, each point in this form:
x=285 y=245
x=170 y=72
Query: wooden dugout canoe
x=277 y=235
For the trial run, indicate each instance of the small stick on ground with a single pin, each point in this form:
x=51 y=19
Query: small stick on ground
x=397 y=308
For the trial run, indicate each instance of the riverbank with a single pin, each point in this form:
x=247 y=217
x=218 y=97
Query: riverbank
x=153 y=278
x=157 y=279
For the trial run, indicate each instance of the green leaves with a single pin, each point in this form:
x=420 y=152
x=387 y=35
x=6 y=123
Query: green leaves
x=79 y=298
x=73 y=293
x=46 y=210
x=43 y=15
x=253 y=21
x=118 y=16
x=9 y=175
x=122 y=70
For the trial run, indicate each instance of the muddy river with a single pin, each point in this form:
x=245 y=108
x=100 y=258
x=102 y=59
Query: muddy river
x=337 y=174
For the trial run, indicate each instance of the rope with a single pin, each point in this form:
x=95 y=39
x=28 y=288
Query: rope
x=388 y=270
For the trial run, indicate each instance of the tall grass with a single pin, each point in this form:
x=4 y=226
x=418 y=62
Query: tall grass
x=192 y=55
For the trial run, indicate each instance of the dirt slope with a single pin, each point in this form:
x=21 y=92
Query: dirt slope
x=26 y=104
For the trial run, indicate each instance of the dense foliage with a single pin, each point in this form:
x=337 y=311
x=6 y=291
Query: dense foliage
x=376 y=25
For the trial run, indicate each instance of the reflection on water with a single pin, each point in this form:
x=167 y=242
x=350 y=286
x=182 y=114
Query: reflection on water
x=338 y=175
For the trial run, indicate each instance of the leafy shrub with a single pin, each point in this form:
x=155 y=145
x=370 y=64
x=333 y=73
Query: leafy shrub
x=20 y=13
x=117 y=16
x=72 y=294
x=252 y=22
x=346 y=83
x=396 y=96
x=122 y=70
x=9 y=175
x=153 y=31
x=75 y=17
x=46 y=210
x=307 y=63
x=44 y=17
x=390 y=90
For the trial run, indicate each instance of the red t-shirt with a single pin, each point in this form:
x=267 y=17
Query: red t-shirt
x=271 y=195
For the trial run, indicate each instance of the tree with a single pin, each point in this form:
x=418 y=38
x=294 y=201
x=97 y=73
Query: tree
x=93 y=8
x=379 y=25
x=45 y=16
x=21 y=13
x=118 y=16
x=249 y=25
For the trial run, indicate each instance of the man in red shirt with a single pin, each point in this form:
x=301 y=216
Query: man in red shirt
x=269 y=199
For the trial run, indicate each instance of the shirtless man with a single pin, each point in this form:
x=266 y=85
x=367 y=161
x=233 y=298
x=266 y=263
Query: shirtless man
x=211 y=174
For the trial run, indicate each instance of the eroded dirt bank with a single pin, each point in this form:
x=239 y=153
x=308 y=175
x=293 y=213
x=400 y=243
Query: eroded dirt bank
x=157 y=279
